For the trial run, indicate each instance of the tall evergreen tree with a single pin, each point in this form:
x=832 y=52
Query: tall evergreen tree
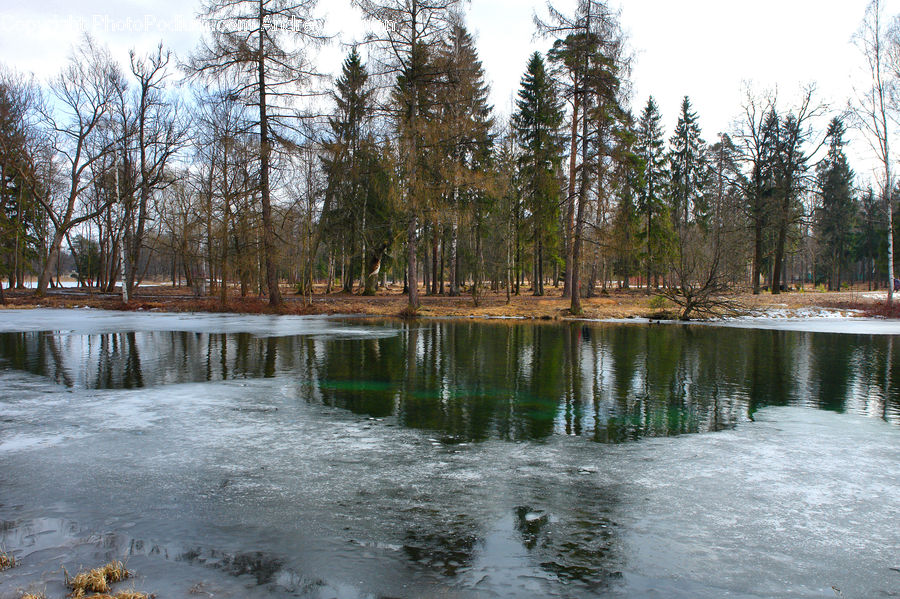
x=346 y=203
x=537 y=124
x=836 y=215
x=726 y=217
x=626 y=178
x=688 y=168
x=791 y=163
x=758 y=146
x=653 y=190
x=464 y=126
x=18 y=207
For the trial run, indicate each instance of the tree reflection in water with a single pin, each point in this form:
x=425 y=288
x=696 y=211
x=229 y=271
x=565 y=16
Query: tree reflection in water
x=472 y=382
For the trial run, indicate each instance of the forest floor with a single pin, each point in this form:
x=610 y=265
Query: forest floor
x=615 y=304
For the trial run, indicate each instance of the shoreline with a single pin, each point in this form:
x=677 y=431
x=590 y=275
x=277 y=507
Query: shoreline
x=270 y=324
x=615 y=305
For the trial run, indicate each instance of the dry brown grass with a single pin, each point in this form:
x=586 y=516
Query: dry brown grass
x=34 y=596
x=391 y=302
x=7 y=561
x=96 y=580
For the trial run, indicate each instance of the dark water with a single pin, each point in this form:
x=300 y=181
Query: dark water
x=471 y=382
x=321 y=458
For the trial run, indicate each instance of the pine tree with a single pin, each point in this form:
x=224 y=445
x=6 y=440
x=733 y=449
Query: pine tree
x=837 y=212
x=537 y=125
x=590 y=49
x=653 y=189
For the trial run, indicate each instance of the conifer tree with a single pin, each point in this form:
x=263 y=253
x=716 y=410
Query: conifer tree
x=836 y=215
x=626 y=178
x=463 y=128
x=343 y=160
x=537 y=124
x=412 y=33
x=589 y=48
x=653 y=189
x=687 y=167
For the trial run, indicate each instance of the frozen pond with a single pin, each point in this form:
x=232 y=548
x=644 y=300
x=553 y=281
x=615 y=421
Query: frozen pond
x=235 y=456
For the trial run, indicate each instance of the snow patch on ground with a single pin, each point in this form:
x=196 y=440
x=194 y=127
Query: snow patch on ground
x=875 y=295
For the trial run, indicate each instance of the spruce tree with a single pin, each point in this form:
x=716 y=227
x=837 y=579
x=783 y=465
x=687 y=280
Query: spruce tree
x=687 y=164
x=358 y=206
x=837 y=212
x=625 y=185
x=653 y=189
x=537 y=123
x=343 y=160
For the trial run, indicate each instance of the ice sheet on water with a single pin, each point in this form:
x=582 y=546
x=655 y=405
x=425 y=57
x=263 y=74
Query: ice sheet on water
x=814 y=322
x=91 y=321
x=247 y=484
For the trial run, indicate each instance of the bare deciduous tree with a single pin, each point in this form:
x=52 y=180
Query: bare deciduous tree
x=261 y=43
x=83 y=94
x=872 y=109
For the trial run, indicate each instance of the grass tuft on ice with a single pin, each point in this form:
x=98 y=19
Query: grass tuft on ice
x=98 y=581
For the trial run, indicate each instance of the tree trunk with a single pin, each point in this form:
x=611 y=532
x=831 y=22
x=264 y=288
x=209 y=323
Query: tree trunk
x=434 y=257
x=778 y=264
x=570 y=200
x=411 y=274
x=756 y=269
x=890 y=213
x=268 y=227
x=454 y=240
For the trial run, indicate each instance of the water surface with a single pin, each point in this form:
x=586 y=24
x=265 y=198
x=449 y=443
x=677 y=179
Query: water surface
x=323 y=458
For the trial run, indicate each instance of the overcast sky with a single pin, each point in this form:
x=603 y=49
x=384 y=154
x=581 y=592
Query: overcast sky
x=707 y=49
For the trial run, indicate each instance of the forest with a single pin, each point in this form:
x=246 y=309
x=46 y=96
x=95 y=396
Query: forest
x=242 y=170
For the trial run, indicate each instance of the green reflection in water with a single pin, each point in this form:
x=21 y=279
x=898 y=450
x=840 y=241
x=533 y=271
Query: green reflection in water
x=475 y=381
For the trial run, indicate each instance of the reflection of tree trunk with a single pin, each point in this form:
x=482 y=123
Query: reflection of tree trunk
x=572 y=353
x=271 y=356
x=58 y=363
x=886 y=396
x=412 y=340
x=133 y=375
